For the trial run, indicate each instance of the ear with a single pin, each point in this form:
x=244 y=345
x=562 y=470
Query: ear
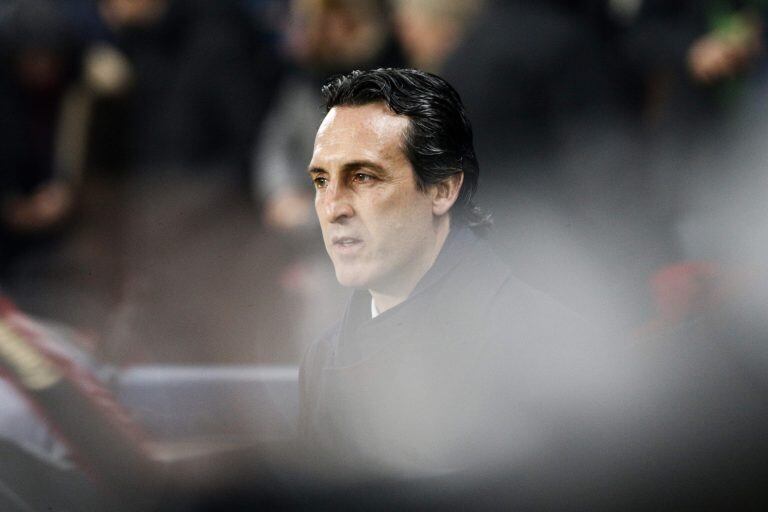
x=445 y=193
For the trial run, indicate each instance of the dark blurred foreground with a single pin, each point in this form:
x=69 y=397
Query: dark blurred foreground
x=667 y=422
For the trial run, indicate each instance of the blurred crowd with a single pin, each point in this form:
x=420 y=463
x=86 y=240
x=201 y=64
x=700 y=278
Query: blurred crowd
x=153 y=189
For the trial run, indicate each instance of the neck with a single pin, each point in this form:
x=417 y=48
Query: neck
x=387 y=297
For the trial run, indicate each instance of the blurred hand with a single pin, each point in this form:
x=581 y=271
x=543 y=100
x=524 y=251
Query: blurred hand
x=725 y=53
x=44 y=209
x=710 y=59
x=288 y=210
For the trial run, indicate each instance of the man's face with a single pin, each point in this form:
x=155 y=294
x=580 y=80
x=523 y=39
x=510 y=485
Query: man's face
x=378 y=228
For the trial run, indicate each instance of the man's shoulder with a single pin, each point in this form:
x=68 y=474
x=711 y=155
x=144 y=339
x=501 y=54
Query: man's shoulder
x=485 y=276
x=509 y=284
x=477 y=265
x=508 y=302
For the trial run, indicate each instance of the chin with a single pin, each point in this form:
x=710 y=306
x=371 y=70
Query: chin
x=351 y=277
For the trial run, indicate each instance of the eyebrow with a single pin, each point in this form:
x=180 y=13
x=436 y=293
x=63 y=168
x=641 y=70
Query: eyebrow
x=351 y=166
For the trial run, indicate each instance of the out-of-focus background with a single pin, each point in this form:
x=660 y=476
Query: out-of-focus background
x=153 y=154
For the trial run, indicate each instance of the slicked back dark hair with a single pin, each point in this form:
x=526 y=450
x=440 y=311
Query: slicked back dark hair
x=438 y=140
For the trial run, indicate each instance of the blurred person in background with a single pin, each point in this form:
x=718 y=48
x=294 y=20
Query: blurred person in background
x=691 y=61
x=431 y=30
x=202 y=80
x=323 y=38
x=53 y=76
x=691 y=64
x=188 y=83
x=42 y=125
x=684 y=51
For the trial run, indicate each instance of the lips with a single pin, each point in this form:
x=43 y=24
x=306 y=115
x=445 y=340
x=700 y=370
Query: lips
x=346 y=244
x=345 y=241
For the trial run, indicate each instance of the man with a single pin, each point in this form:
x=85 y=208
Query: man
x=424 y=374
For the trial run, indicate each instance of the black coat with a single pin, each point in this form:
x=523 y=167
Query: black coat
x=445 y=379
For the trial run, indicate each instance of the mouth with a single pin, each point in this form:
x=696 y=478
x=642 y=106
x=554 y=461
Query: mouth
x=346 y=243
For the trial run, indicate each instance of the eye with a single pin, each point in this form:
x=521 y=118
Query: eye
x=320 y=181
x=362 y=178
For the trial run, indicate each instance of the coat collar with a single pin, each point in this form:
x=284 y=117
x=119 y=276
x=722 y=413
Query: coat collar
x=457 y=245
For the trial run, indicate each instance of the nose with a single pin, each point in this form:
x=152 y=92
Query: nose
x=334 y=204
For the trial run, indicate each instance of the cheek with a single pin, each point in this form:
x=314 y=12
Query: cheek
x=408 y=220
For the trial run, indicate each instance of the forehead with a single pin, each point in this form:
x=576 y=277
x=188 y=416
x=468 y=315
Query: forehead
x=364 y=131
